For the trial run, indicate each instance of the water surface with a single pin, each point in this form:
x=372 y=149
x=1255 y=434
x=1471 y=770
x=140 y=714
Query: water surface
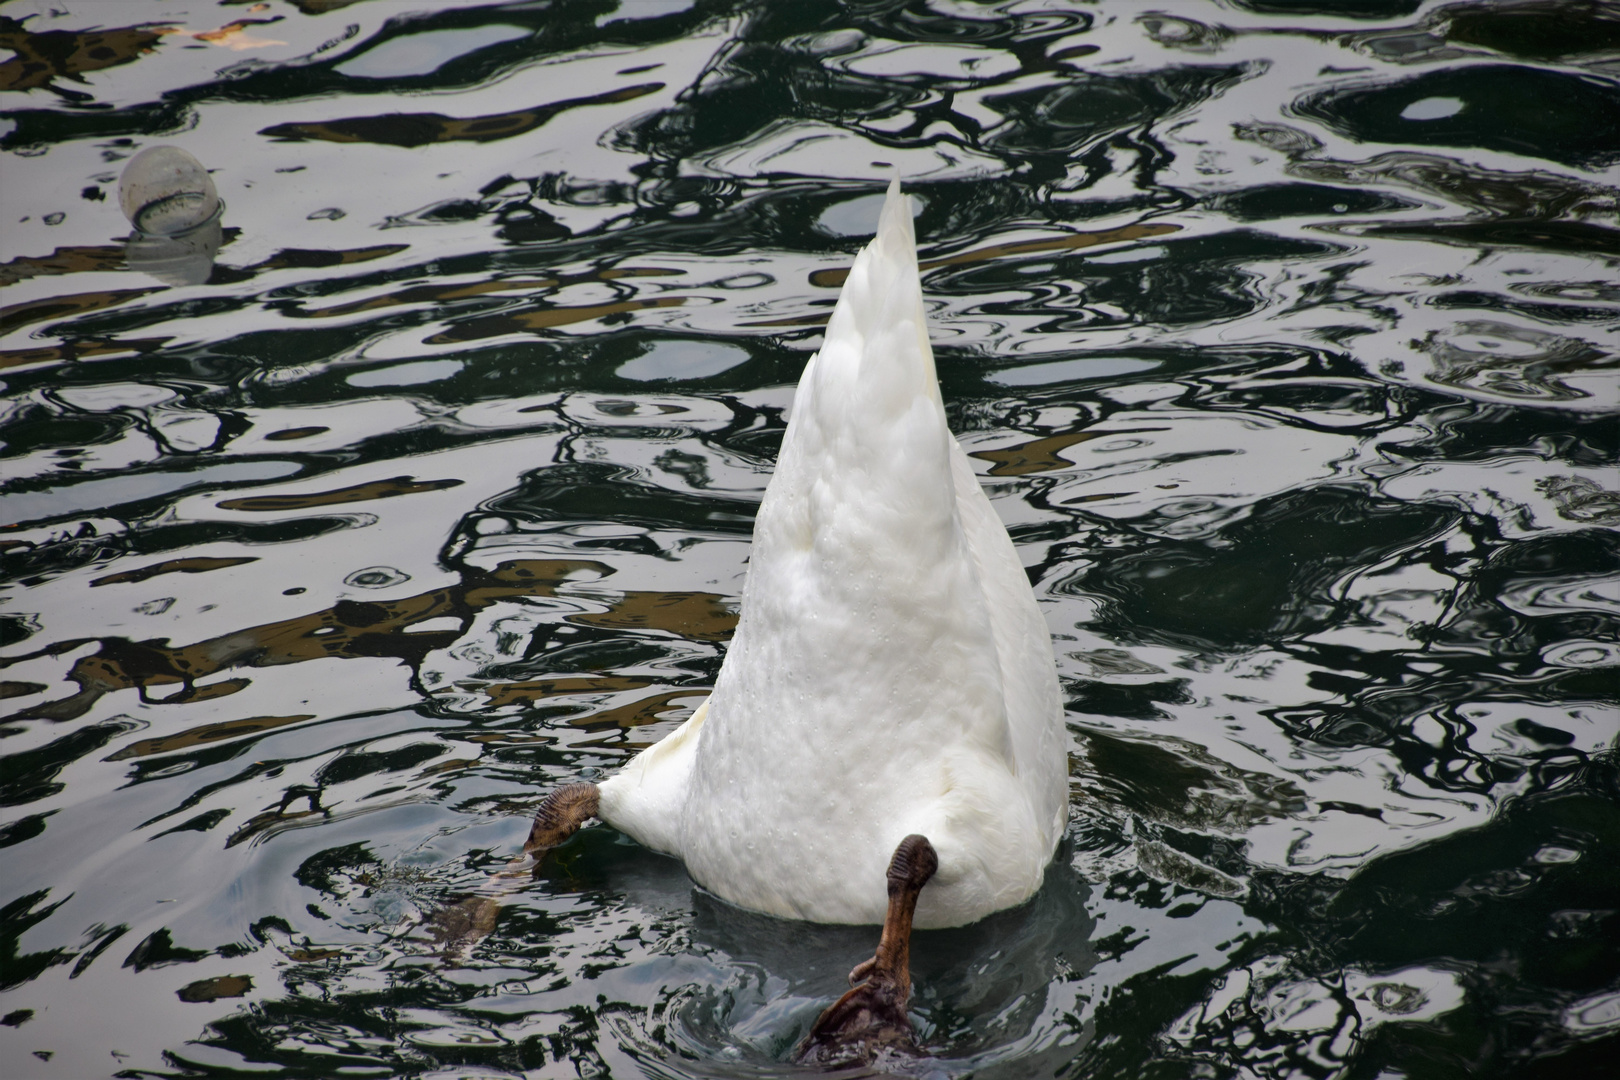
x=1283 y=336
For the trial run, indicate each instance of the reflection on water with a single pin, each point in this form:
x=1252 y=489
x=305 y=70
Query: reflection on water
x=337 y=531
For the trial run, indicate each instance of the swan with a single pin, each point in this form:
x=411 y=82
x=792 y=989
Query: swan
x=885 y=741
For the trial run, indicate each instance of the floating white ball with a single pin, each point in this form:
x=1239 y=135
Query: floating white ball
x=164 y=191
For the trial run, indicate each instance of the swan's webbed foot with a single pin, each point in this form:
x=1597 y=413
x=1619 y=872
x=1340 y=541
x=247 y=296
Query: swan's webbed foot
x=457 y=926
x=560 y=816
x=871 y=1017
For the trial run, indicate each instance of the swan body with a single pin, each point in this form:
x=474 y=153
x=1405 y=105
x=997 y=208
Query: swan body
x=890 y=673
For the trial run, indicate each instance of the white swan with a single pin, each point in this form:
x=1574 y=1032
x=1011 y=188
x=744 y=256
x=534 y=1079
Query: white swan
x=890 y=689
x=890 y=674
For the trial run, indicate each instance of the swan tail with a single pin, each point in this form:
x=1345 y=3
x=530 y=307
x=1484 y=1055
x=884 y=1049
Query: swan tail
x=876 y=363
x=864 y=598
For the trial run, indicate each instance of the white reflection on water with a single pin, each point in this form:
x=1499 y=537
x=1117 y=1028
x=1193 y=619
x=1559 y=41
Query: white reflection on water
x=1262 y=1024
x=27 y=506
x=422 y=54
x=1594 y=1016
x=1060 y=371
x=413 y=374
x=1433 y=108
x=858 y=216
x=677 y=360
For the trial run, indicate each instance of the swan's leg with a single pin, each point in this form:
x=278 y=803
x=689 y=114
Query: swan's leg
x=873 y=1014
x=559 y=817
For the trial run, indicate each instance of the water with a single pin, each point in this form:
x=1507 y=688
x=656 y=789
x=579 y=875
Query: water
x=1283 y=335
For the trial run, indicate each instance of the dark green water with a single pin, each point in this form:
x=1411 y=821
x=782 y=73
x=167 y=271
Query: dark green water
x=1283 y=334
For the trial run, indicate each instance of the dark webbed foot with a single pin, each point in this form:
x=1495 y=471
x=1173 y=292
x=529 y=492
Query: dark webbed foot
x=560 y=815
x=872 y=1017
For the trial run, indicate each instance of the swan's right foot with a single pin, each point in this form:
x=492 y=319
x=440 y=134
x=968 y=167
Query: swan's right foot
x=872 y=1017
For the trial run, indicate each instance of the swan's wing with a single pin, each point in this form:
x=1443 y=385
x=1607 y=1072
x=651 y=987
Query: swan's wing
x=1024 y=649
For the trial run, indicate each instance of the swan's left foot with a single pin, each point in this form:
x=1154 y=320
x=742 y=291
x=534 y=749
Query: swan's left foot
x=872 y=1017
x=560 y=816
